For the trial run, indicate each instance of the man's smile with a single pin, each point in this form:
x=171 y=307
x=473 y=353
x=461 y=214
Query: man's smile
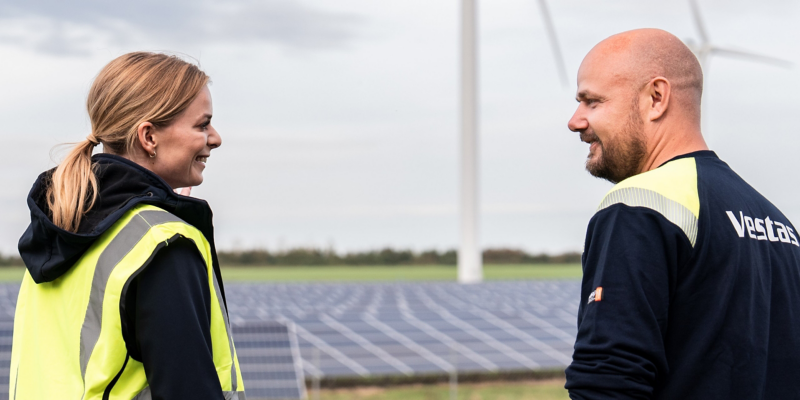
x=593 y=141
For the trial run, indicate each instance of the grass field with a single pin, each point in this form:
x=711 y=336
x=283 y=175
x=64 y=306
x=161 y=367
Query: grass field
x=534 y=390
x=11 y=274
x=396 y=273
x=371 y=273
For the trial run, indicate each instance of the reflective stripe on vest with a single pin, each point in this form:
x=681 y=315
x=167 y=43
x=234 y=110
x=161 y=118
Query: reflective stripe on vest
x=98 y=366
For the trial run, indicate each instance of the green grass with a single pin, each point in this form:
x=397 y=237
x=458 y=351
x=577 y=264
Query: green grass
x=537 y=390
x=396 y=273
x=11 y=274
x=371 y=273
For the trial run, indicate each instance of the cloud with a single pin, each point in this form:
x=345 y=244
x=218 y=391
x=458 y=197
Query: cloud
x=78 y=27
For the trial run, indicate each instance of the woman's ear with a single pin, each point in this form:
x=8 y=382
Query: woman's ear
x=147 y=138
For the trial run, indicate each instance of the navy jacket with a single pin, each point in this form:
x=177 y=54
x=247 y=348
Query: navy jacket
x=691 y=290
x=166 y=315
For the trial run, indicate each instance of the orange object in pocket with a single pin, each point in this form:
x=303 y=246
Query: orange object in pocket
x=598 y=294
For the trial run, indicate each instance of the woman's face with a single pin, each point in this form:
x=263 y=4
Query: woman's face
x=183 y=147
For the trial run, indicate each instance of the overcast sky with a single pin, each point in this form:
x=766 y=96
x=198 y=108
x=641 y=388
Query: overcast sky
x=340 y=118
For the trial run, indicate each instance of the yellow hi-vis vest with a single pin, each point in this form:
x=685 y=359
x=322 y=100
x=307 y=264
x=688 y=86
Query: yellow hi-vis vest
x=68 y=341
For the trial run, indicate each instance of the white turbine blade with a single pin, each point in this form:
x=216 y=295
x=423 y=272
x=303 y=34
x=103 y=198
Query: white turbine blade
x=551 y=34
x=750 y=56
x=698 y=22
x=702 y=58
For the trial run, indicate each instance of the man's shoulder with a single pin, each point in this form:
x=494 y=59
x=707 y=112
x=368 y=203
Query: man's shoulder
x=670 y=190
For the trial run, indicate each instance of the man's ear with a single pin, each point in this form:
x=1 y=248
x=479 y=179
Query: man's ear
x=147 y=138
x=659 y=91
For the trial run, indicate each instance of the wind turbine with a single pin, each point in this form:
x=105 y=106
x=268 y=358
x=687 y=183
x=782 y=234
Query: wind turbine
x=470 y=263
x=705 y=48
x=551 y=35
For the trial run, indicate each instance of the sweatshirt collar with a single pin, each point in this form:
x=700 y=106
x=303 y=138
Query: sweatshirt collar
x=694 y=154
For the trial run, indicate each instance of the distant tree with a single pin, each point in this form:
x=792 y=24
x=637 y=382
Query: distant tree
x=11 y=261
x=386 y=256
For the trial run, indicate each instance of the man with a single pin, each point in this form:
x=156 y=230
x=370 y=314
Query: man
x=691 y=285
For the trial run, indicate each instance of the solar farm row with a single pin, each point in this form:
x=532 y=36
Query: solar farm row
x=285 y=331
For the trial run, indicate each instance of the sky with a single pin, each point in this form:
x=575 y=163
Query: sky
x=340 y=118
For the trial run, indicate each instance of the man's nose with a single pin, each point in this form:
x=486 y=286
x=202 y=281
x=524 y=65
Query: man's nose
x=578 y=122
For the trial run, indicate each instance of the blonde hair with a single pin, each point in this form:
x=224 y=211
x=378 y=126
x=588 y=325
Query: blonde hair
x=134 y=88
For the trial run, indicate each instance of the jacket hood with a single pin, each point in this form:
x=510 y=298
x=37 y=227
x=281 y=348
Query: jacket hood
x=49 y=251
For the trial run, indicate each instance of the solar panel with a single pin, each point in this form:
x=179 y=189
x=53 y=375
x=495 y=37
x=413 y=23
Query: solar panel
x=8 y=302
x=270 y=360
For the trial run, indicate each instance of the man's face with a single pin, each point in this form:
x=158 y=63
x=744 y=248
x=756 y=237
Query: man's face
x=608 y=119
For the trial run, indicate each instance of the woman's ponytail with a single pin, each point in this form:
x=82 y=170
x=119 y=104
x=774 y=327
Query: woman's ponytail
x=73 y=188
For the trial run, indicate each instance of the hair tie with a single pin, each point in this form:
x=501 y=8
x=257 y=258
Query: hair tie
x=92 y=140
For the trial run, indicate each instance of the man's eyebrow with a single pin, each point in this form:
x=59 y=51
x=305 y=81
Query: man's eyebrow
x=587 y=94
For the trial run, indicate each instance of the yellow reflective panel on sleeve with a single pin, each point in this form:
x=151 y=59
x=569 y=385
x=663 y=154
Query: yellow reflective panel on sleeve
x=670 y=190
x=675 y=180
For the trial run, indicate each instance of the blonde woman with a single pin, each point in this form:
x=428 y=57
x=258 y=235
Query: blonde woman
x=123 y=297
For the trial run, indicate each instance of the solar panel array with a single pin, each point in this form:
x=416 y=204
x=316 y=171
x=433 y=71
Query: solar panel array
x=420 y=328
x=285 y=331
x=8 y=301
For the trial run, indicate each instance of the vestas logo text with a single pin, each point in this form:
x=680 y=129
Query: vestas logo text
x=762 y=229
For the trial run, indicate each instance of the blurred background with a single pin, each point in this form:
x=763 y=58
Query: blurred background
x=340 y=119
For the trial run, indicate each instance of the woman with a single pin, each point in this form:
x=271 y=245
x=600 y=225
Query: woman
x=123 y=298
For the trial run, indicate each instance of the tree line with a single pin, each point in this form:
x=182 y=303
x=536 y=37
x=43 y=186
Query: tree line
x=9 y=261
x=387 y=256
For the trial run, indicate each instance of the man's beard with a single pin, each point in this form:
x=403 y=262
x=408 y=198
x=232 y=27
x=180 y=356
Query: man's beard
x=621 y=158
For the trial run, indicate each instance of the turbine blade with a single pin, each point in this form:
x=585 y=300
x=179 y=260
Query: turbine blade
x=698 y=22
x=551 y=35
x=702 y=57
x=751 y=56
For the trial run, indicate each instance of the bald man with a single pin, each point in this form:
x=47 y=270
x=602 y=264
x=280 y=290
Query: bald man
x=691 y=285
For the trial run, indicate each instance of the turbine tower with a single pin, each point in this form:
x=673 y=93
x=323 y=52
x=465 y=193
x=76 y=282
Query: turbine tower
x=705 y=49
x=470 y=263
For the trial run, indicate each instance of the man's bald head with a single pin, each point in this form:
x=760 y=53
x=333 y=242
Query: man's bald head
x=639 y=102
x=636 y=57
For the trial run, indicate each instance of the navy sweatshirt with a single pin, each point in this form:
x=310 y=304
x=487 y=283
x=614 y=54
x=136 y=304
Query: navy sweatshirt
x=166 y=309
x=691 y=290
